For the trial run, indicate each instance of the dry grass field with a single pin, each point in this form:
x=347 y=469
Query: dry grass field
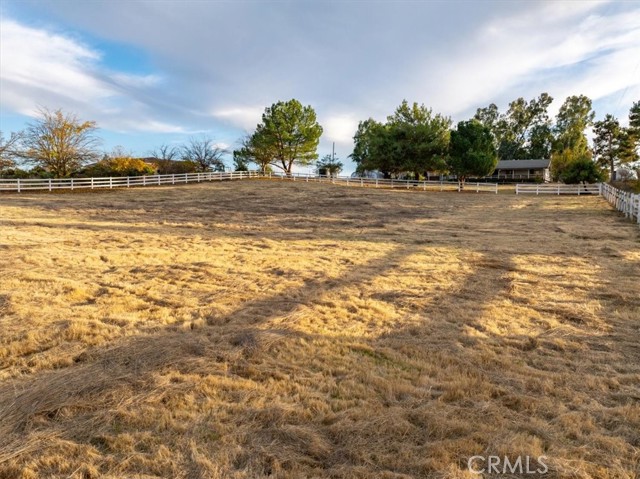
x=291 y=330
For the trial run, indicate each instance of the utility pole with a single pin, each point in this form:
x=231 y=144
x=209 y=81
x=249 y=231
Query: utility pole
x=333 y=153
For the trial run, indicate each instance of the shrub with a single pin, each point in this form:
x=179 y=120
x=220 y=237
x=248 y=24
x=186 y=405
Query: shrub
x=117 y=167
x=172 y=167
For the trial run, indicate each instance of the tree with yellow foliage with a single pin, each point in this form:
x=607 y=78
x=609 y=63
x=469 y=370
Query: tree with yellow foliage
x=59 y=142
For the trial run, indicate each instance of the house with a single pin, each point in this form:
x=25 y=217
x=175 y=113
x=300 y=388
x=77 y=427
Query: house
x=523 y=170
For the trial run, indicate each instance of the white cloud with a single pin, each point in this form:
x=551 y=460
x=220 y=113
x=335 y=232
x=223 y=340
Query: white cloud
x=523 y=55
x=340 y=128
x=243 y=117
x=136 y=81
x=42 y=68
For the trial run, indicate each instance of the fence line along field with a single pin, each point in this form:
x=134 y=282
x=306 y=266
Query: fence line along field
x=305 y=330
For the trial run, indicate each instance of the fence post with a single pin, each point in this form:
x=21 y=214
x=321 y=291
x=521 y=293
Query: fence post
x=477 y=187
x=361 y=182
x=376 y=181
x=110 y=182
x=18 y=185
x=71 y=184
x=558 y=190
x=128 y=178
x=50 y=183
x=144 y=180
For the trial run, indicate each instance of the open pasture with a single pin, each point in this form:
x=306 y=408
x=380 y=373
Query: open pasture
x=290 y=330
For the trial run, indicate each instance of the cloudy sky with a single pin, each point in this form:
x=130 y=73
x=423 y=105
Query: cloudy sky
x=153 y=72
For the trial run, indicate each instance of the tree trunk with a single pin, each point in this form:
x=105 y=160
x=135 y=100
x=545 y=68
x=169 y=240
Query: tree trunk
x=613 y=171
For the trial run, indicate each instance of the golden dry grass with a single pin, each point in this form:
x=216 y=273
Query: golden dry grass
x=276 y=329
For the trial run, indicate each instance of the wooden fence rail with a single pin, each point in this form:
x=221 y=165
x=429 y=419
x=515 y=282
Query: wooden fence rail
x=389 y=183
x=558 y=189
x=624 y=201
x=21 y=185
x=51 y=184
x=628 y=203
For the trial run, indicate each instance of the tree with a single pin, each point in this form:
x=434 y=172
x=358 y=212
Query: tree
x=628 y=148
x=165 y=152
x=472 y=151
x=9 y=149
x=574 y=117
x=419 y=139
x=372 y=147
x=582 y=170
x=412 y=140
x=560 y=161
x=257 y=150
x=634 y=119
x=524 y=131
x=329 y=166
x=288 y=134
x=204 y=153
x=239 y=163
x=59 y=142
x=607 y=143
x=631 y=141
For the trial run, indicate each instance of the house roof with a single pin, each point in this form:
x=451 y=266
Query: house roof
x=522 y=164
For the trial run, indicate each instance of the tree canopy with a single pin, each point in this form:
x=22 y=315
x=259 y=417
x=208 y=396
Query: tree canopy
x=328 y=165
x=59 y=142
x=9 y=149
x=523 y=131
x=288 y=134
x=472 y=151
x=582 y=170
x=203 y=152
x=413 y=139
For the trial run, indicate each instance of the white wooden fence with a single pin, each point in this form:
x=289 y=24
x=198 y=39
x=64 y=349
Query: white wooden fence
x=557 y=189
x=51 y=184
x=623 y=201
x=627 y=203
x=389 y=183
x=22 y=185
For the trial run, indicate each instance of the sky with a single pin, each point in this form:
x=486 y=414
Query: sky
x=159 y=72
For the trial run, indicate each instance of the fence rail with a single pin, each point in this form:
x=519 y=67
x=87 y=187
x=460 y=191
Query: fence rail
x=51 y=184
x=627 y=203
x=558 y=189
x=21 y=185
x=389 y=183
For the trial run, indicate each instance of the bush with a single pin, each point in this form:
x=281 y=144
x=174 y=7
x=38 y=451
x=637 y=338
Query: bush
x=582 y=170
x=17 y=173
x=172 y=167
x=117 y=167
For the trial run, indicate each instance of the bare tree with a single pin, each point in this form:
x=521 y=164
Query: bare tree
x=205 y=153
x=165 y=152
x=60 y=142
x=9 y=149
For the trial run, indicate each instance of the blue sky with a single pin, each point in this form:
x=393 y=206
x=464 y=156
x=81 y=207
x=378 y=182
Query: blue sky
x=153 y=72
